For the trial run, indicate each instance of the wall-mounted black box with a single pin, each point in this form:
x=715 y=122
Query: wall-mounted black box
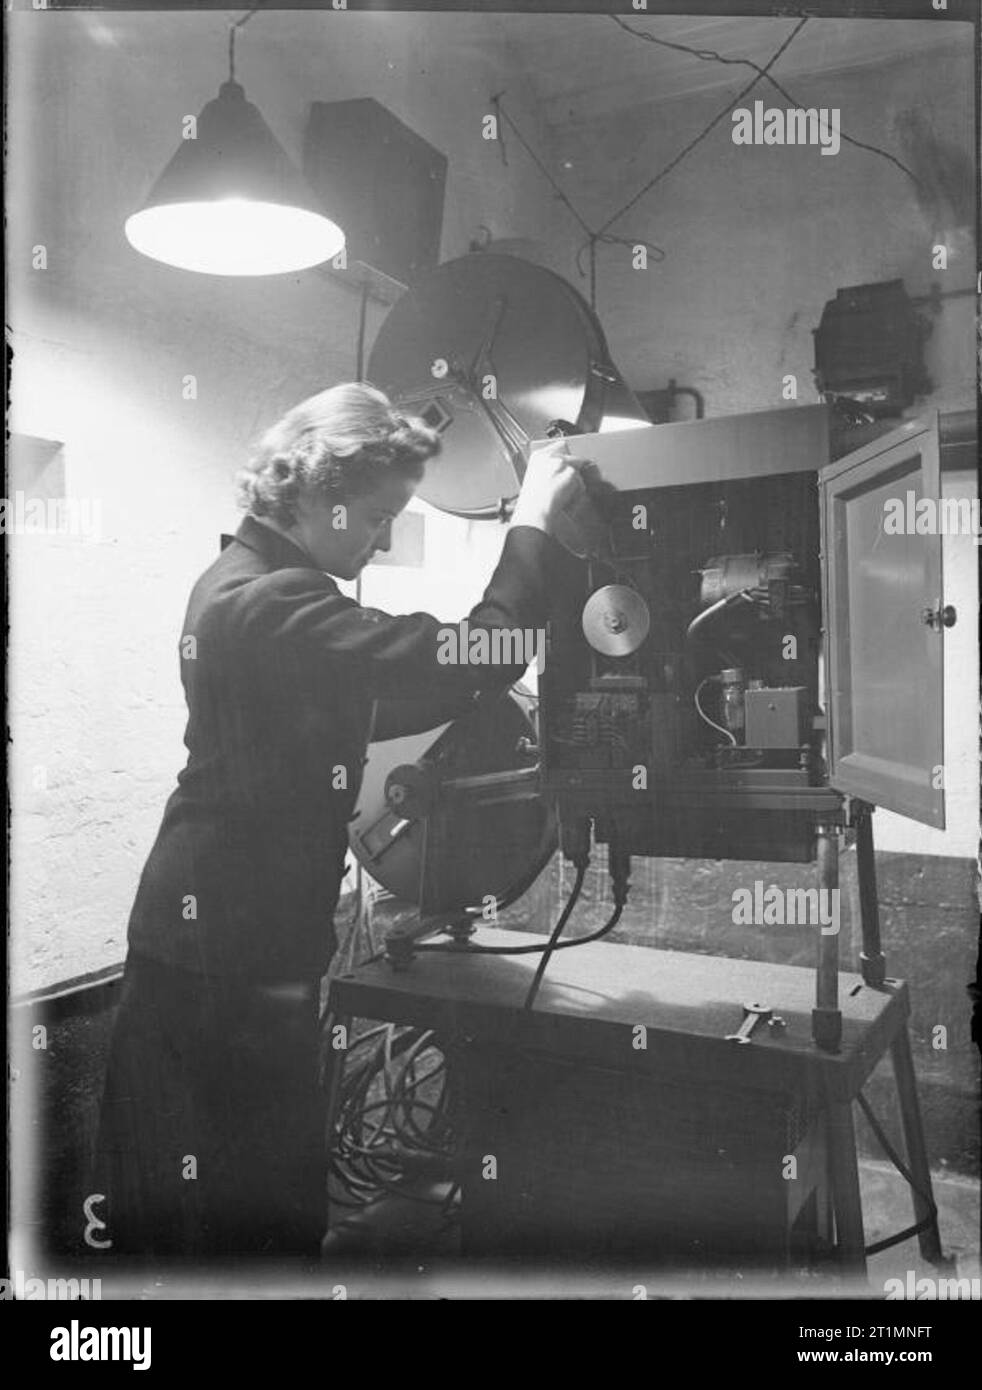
x=380 y=181
x=869 y=346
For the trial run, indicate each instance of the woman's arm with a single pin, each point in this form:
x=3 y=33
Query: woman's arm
x=402 y=657
x=417 y=655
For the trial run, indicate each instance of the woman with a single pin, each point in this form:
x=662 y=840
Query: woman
x=211 y=1138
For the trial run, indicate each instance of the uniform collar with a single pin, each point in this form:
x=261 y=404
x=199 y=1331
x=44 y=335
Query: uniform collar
x=271 y=545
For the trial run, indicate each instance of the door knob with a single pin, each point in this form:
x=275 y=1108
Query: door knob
x=939 y=617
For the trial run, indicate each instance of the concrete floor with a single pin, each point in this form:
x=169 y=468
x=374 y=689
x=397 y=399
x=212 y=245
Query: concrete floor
x=887 y=1208
x=401 y=1250
x=405 y=1230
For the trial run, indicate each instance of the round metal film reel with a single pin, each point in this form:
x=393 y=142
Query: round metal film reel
x=615 y=620
x=480 y=317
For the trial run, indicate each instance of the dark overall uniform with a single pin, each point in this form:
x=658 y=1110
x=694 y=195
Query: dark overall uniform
x=211 y=1138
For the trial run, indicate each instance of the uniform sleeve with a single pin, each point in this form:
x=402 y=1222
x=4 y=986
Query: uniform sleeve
x=415 y=656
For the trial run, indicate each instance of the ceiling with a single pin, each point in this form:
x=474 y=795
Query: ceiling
x=579 y=68
x=588 y=68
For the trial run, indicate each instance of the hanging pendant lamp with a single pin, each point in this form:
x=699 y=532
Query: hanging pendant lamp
x=231 y=202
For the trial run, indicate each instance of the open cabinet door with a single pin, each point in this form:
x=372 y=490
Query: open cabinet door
x=884 y=623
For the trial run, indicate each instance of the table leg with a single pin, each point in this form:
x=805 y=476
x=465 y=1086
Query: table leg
x=910 y=1116
x=844 y=1173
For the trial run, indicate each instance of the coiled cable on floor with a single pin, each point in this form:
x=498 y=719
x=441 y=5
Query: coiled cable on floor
x=391 y=1123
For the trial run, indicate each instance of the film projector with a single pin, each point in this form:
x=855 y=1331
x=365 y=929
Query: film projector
x=740 y=665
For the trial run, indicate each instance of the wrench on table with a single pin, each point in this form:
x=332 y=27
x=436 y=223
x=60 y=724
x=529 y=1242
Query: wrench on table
x=752 y=1015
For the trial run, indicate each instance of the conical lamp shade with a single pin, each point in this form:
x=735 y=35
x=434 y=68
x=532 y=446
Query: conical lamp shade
x=230 y=202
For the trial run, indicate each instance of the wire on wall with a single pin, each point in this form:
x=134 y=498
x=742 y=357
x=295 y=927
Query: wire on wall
x=603 y=235
x=593 y=238
x=708 y=55
x=687 y=150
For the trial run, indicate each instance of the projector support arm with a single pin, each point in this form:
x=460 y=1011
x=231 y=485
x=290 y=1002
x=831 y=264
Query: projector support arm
x=419 y=792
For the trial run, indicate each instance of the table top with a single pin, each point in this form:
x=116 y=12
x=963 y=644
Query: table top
x=593 y=999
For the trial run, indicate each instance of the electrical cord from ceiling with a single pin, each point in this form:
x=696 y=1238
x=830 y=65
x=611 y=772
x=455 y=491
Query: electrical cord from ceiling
x=708 y=55
x=232 y=28
x=360 y=346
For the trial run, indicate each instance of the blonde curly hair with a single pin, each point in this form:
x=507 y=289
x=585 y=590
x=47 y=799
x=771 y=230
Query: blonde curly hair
x=341 y=443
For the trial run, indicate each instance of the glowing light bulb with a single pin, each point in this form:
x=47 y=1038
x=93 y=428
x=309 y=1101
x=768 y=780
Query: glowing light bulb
x=234 y=236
